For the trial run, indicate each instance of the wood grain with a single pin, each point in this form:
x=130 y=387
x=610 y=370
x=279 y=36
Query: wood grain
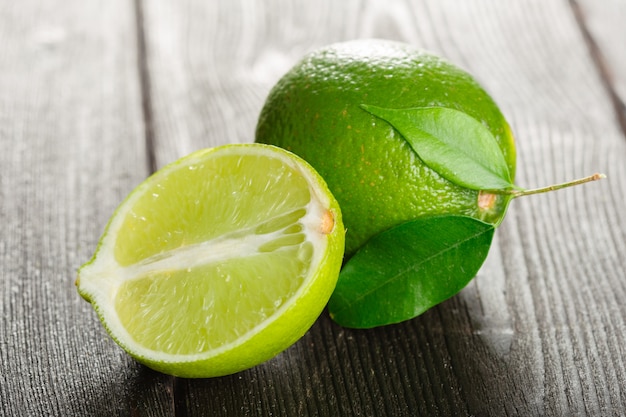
x=94 y=96
x=71 y=146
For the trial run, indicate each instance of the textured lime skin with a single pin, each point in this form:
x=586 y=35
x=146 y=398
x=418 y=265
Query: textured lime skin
x=314 y=111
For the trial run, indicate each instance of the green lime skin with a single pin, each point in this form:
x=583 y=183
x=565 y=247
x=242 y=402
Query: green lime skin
x=314 y=111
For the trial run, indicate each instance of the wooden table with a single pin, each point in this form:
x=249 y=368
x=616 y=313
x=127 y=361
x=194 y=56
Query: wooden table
x=96 y=95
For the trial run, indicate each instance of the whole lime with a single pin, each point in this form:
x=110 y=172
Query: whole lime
x=379 y=181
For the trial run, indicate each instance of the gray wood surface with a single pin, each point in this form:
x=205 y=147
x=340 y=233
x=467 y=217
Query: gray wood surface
x=96 y=95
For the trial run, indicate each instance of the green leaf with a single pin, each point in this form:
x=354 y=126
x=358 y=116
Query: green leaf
x=454 y=144
x=404 y=271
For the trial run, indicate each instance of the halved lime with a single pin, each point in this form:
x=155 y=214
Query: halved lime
x=217 y=262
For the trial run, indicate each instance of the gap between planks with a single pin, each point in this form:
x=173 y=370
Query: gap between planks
x=145 y=86
x=601 y=65
x=172 y=384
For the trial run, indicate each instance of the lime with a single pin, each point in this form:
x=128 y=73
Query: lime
x=315 y=111
x=217 y=262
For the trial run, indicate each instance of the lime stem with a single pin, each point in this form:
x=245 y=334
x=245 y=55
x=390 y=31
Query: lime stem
x=521 y=192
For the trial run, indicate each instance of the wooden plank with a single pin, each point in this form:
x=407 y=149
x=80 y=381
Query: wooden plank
x=560 y=265
x=211 y=64
x=540 y=331
x=71 y=147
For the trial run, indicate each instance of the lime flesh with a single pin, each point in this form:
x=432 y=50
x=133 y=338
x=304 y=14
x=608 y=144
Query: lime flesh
x=217 y=262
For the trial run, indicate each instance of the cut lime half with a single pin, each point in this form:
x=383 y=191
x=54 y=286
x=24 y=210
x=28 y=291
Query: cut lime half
x=217 y=262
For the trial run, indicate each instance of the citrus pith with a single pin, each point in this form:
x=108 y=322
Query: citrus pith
x=218 y=261
x=315 y=111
